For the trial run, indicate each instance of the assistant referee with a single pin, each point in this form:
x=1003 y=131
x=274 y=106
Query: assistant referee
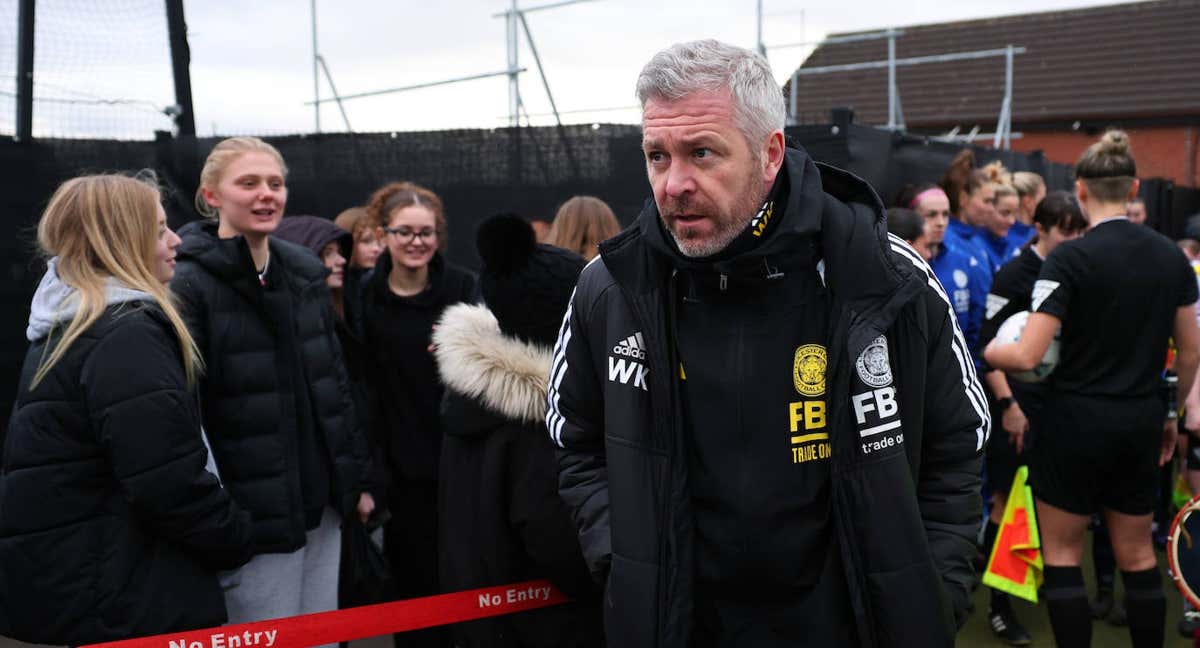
x=1118 y=293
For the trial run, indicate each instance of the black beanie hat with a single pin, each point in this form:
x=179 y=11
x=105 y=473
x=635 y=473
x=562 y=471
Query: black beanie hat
x=525 y=284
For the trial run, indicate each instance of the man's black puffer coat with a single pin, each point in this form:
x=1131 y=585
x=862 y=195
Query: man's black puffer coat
x=256 y=350
x=110 y=527
x=501 y=518
x=905 y=502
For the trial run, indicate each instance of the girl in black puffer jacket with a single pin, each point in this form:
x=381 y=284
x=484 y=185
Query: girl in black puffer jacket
x=275 y=399
x=110 y=526
x=394 y=311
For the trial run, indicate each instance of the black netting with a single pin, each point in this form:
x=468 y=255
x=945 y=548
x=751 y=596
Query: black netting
x=530 y=171
x=101 y=70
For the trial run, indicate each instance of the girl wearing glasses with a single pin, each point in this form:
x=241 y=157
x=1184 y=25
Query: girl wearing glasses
x=397 y=305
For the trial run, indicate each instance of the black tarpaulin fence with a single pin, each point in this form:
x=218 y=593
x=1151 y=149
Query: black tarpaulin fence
x=529 y=171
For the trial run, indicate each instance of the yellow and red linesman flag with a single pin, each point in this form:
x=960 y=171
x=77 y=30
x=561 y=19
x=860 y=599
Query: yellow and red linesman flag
x=1015 y=565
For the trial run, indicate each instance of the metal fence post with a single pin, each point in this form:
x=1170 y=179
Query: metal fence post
x=25 y=14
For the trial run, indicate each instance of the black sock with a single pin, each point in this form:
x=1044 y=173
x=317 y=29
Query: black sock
x=1070 y=614
x=1145 y=606
x=999 y=600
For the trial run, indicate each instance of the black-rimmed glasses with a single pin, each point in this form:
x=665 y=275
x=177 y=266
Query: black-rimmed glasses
x=408 y=234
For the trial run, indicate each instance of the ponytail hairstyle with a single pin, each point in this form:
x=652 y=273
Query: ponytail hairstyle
x=218 y=160
x=1060 y=209
x=101 y=227
x=398 y=195
x=1107 y=168
x=962 y=176
x=1000 y=178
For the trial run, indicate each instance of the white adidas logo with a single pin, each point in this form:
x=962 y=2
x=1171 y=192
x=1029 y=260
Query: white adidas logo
x=632 y=347
x=1042 y=289
x=623 y=370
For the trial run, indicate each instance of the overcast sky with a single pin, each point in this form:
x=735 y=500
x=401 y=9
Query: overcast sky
x=252 y=61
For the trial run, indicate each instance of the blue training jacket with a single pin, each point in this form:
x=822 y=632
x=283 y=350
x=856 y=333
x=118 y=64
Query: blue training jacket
x=967 y=281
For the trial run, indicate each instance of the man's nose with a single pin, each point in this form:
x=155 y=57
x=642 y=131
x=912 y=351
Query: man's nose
x=680 y=180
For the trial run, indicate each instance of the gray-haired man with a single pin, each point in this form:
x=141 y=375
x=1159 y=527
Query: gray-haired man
x=769 y=424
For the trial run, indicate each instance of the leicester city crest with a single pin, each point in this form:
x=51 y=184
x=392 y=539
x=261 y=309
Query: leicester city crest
x=808 y=370
x=873 y=366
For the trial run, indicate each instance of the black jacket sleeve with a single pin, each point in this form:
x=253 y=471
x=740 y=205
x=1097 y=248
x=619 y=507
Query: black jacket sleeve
x=146 y=419
x=956 y=428
x=576 y=425
x=540 y=518
x=356 y=433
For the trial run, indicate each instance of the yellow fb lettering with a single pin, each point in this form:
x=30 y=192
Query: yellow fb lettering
x=814 y=415
x=796 y=414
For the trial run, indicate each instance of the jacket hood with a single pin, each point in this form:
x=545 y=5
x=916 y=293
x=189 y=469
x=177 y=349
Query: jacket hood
x=314 y=233
x=229 y=259
x=507 y=376
x=55 y=301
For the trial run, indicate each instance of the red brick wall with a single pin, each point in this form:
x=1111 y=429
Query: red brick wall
x=1162 y=152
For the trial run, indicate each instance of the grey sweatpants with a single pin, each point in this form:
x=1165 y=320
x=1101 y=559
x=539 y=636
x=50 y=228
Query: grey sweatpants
x=271 y=586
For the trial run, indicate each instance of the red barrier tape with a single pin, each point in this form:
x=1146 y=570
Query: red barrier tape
x=360 y=622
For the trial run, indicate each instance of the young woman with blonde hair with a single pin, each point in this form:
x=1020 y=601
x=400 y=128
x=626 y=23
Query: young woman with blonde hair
x=994 y=224
x=110 y=526
x=581 y=224
x=275 y=399
x=1031 y=189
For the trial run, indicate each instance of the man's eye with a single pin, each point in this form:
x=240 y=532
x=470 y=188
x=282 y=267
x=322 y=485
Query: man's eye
x=654 y=156
x=703 y=152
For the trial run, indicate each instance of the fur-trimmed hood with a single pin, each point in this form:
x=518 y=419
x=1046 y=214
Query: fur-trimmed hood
x=507 y=376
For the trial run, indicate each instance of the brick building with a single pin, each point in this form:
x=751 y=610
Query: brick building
x=1134 y=65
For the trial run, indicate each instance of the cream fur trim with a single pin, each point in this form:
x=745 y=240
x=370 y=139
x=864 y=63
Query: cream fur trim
x=509 y=376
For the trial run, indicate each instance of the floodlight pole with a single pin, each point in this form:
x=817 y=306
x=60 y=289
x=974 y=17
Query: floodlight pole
x=25 y=32
x=762 y=49
x=181 y=58
x=316 y=71
x=1004 y=126
x=891 y=123
x=514 y=85
x=512 y=39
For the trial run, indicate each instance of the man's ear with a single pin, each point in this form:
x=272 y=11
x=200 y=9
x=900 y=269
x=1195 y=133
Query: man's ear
x=773 y=155
x=1133 y=189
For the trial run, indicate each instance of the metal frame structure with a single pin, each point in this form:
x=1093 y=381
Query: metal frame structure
x=1003 y=135
x=514 y=22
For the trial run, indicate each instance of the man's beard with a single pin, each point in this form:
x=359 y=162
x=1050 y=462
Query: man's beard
x=726 y=227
